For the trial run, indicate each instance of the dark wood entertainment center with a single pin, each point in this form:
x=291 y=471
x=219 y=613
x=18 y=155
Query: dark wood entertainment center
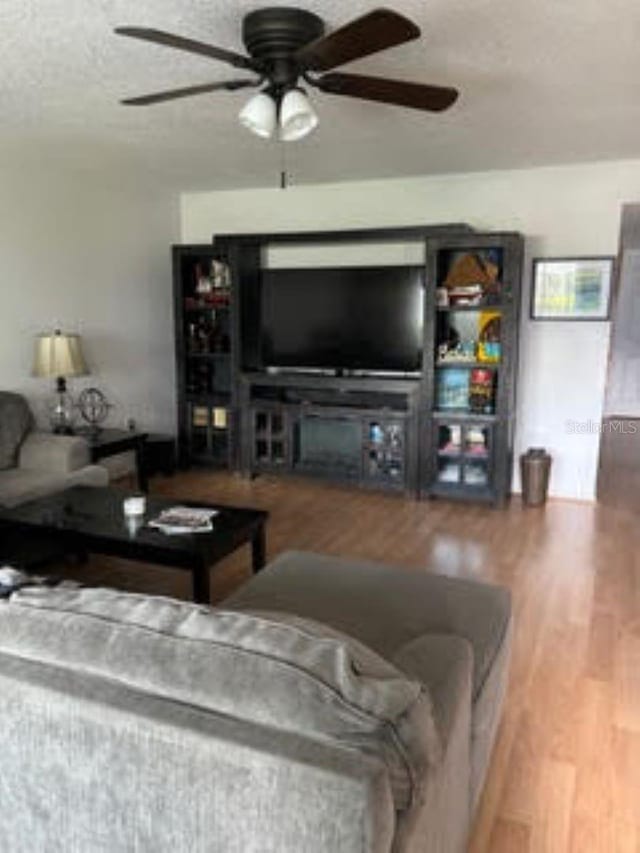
x=445 y=430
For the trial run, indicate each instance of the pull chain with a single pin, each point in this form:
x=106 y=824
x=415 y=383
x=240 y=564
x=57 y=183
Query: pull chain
x=284 y=177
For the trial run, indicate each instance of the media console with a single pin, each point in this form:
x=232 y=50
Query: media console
x=255 y=312
x=359 y=430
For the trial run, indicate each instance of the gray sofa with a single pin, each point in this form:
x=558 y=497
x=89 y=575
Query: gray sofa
x=331 y=706
x=34 y=464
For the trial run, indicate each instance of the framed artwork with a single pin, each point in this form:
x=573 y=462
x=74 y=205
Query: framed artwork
x=571 y=288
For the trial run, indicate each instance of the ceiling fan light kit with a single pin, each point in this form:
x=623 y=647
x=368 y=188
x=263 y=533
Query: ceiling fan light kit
x=287 y=45
x=260 y=115
x=297 y=117
x=293 y=112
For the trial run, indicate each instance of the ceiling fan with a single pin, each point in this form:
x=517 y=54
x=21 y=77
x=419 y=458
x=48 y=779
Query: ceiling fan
x=288 y=45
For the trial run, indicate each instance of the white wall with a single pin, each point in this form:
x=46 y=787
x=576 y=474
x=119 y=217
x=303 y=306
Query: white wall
x=93 y=256
x=572 y=210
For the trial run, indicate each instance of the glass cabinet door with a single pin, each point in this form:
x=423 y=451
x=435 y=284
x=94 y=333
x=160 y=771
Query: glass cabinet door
x=384 y=448
x=477 y=454
x=463 y=454
x=449 y=452
x=208 y=433
x=270 y=442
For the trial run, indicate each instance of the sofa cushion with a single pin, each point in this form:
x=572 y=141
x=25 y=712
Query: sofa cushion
x=55 y=454
x=290 y=674
x=18 y=485
x=385 y=608
x=15 y=421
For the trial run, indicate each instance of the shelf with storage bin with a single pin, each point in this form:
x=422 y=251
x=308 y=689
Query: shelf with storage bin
x=472 y=320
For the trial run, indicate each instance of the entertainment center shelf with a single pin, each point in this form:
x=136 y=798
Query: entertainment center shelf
x=399 y=376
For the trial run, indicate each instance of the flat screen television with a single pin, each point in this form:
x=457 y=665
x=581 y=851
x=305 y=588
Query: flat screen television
x=346 y=318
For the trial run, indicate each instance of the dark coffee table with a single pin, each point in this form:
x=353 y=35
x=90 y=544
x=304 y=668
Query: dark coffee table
x=90 y=520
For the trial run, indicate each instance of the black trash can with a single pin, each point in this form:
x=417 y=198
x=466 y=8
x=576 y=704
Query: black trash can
x=535 y=467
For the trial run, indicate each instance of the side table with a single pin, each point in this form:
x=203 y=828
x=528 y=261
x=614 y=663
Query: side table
x=109 y=442
x=159 y=455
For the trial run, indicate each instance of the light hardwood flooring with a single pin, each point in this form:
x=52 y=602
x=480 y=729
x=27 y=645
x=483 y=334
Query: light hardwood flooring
x=566 y=768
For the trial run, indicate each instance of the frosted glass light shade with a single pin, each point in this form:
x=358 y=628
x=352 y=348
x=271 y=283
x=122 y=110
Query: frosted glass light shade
x=260 y=115
x=297 y=116
x=59 y=355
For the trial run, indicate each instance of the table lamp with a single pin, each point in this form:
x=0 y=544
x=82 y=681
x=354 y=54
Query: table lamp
x=59 y=355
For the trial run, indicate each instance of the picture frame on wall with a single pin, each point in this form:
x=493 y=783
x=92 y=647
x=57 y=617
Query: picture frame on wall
x=571 y=288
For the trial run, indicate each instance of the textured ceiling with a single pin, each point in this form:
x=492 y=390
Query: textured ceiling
x=542 y=81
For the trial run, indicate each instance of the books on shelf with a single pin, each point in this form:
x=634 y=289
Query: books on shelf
x=463 y=390
x=452 y=389
x=179 y=520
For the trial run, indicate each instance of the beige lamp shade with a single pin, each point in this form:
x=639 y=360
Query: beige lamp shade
x=59 y=354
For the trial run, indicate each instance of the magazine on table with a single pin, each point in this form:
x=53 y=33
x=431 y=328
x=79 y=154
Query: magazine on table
x=177 y=520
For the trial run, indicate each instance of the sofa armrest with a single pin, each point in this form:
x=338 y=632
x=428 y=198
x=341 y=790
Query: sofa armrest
x=440 y=817
x=56 y=454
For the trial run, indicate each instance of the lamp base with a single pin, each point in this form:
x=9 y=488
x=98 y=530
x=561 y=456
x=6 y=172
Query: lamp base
x=61 y=409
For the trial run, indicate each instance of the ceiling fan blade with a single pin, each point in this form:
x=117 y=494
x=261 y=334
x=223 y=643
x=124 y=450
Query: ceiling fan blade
x=377 y=30
x=417 y=96
x=188 y=91
x=191 y=46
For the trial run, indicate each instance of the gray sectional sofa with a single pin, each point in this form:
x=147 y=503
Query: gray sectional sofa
x=34 y=464
x=331 y=706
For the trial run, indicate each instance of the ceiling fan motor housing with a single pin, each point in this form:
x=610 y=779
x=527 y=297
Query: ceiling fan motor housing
x=273 y=35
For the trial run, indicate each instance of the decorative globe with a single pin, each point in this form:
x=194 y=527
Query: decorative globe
x=94 y=408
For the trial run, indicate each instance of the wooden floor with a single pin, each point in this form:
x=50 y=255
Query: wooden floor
x=566 y=768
